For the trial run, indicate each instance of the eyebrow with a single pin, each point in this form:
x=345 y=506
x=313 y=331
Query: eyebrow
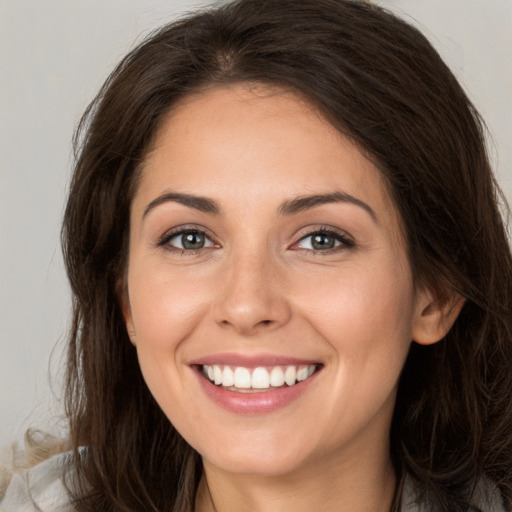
x=203 y=204
x=302 y=203
x=290 y=207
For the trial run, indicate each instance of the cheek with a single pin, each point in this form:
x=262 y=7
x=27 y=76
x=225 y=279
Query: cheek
x=365 y=313
x=165 y=309
x=366 y=318
x=378 y=296
x=164 y=305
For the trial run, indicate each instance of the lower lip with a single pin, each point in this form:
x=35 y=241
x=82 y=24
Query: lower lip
x=259 y=402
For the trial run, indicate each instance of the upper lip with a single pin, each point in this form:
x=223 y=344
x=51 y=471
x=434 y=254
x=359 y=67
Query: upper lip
x=250 y=361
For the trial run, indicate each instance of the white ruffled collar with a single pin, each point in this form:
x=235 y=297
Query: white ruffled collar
x=41 y=489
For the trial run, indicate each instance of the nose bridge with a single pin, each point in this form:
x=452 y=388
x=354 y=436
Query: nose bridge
x=252 y=297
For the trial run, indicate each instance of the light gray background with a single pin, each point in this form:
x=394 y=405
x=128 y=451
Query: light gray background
x=54 y=55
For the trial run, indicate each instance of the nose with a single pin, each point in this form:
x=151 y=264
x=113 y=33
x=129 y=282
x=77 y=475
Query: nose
x=252 y=297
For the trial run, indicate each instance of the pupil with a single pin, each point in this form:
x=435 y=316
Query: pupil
x=193 y=241
x=323 y=242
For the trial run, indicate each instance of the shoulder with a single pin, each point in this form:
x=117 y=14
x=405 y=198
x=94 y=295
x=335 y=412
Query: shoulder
x=486 y=497
x=39 y=488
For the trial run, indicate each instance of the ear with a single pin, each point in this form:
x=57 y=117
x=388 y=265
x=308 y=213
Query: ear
x=124 y=303
x=435 y=315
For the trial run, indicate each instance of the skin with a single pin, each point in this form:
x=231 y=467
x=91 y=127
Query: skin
x=258 y=286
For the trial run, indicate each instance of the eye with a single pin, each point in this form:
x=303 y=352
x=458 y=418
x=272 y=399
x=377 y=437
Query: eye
x=186 y=240
x=324 y=240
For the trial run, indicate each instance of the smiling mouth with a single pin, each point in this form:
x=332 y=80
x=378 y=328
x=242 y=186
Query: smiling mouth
x=250 y=380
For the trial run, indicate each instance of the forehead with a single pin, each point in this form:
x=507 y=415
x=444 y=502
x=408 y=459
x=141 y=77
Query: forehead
x=255 y=141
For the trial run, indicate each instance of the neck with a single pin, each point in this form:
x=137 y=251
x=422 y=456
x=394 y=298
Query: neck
x=360 y=485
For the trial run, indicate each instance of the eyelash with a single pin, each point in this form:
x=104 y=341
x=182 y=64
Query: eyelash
x=164 y=241
x=344 y=241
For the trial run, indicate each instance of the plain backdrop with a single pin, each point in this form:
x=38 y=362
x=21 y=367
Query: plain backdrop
x=54 y=55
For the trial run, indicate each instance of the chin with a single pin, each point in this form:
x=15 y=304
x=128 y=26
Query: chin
x=264 y=465
x=258 y=455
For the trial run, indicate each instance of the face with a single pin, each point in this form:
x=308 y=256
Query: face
x=269 y=296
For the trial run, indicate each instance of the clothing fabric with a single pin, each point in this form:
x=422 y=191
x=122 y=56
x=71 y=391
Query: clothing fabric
x=41 y=489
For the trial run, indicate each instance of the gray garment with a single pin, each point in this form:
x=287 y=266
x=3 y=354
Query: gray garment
x=40 y=489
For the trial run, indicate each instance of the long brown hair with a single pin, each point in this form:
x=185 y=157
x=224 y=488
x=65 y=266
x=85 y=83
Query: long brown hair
x=379 y=81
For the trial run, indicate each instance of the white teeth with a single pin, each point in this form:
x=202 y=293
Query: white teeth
x=302 y=373
x=217 y=375
x=277 y=377
x=242 y=378
x=228 y=379
x=290 y=375
x=260 y=378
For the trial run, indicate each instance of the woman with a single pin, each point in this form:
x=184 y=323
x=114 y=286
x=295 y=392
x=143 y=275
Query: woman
x=292 y=284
